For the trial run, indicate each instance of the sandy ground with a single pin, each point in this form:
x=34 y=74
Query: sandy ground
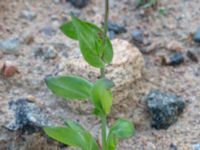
x=182 y=18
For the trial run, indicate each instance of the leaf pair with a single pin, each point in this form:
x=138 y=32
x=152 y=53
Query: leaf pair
x=121 y=129
x=77 y=88
x=94 y=51
x=74 y=135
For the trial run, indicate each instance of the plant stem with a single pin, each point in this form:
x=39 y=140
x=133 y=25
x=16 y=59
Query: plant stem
x=102 y=71
x=106 y=21
x=103 y=132
x=105 y=30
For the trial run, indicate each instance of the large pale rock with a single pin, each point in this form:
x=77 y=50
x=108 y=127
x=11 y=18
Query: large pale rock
x=127 y=66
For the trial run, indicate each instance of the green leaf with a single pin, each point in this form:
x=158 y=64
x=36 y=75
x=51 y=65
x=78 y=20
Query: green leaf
x=69 y=30
x=102 y=97
x=74 y=125
x=121 y=129
x=69 y=87
x=72 y=137
x=90 y=41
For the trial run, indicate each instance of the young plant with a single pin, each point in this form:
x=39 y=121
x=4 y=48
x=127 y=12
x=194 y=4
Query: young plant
x=97 y=51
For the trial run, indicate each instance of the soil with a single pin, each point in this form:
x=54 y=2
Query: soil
x=182 y=19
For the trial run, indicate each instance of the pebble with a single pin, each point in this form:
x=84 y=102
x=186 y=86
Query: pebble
x=174 y=46
x=193 y=56
x=48 y=31
x=173 y=147
x=47 y=52
x=196 y=146
x=173 y=59
x=138 y=36
x=31 y=98
x=10 y=46
x=79 y=3
x=28 y=38
x=56 y=1
x=111 y=35
x=8 y=68
x=116 y=28
x=164 y=108
x=196 y=37
x=28 y=14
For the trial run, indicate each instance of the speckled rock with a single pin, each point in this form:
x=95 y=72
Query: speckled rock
x=127 y=66
x=27 y=116
x=164 y=108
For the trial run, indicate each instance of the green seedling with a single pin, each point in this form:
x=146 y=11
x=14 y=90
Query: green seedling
x=97 y=51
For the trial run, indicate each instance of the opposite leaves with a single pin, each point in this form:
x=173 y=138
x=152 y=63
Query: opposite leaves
x=94 y=51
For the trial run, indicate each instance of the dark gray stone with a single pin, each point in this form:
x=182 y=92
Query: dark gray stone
x=79 y=3
x=27 y=116
x=116 y=28
x=138 y=36
x=176 y=59
x=196 y=37
x=164 y=108
x=10 y=46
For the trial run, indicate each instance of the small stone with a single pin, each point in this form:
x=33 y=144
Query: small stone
x=174 y=46
x=192 y=55
x=196 y=147
x=27 y=116
x=116 y=28
x=173 y=147
x=29 y=15
x=79 y=3
x=56 y=1
x=31 y=98
x=49 y=53
x=111 y=35
x=10 y=46
x=174 y=59
x=164 y=108
x=138 y=36
x=9 y=69
x=196 y=37
x=48 y=31
x=46 y=52
x=28 y=38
